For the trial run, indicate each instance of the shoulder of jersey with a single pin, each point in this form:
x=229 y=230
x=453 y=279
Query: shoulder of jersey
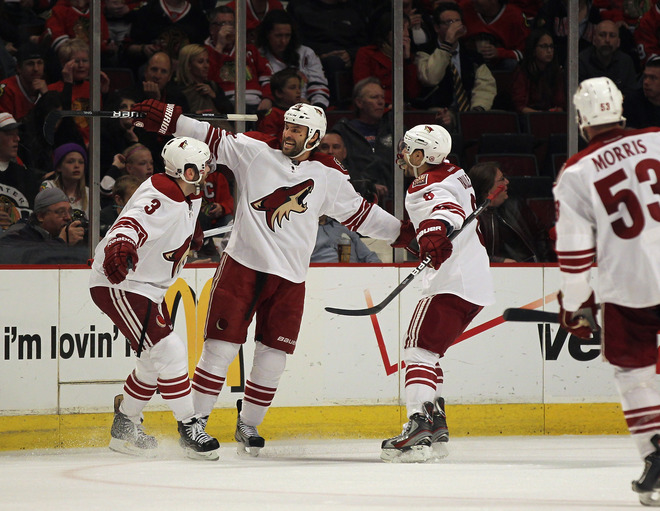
x=436 y=175
x=328 y=161
x=270 y=140
x=167 y=186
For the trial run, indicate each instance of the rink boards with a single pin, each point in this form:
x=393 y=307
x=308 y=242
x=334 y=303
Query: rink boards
x=62 y=361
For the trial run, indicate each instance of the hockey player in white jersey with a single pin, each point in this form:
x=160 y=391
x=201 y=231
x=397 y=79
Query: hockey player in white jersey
x=455 y=288
x=140 y=257
x=284 y=186
x=608 y=208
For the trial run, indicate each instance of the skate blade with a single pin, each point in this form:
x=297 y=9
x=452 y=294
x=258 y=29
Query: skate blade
x=247 y=451
x=125 y=447
x=440 y=450
x=416 y=454
x=203 y=456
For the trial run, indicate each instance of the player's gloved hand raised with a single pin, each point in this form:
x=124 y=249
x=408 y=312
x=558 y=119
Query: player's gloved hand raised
x=433 y=240
x=160 y=117
x=118 y=252
x=406 y=235
x=582 y=322
x=198 y=238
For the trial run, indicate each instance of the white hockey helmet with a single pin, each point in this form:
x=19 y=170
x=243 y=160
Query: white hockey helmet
x=433 y=140
x=598 y=101
x=311 y=116
x=184 y=152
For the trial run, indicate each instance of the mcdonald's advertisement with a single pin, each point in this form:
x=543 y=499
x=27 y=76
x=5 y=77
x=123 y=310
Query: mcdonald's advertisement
x=60 y=354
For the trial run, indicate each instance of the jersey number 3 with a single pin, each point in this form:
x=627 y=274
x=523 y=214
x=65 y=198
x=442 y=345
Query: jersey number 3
x=627 y=197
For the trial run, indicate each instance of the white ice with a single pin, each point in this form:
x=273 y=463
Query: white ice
x=500 y=473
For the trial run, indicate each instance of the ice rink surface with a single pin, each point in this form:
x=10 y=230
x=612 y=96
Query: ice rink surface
x=481 y=473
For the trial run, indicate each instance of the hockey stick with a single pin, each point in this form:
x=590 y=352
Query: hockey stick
x=53 y=118
x=530 y=316
x=377 y=308
x=218 y=230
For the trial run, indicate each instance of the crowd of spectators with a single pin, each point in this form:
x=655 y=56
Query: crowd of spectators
x=335 y=54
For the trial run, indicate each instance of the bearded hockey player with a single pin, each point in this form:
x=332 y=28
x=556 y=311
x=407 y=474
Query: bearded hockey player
x=284 y=186
x=608 y=208
x=138 y=260
x=455 y=288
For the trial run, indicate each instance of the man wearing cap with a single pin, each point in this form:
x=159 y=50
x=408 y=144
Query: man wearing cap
x=48 y=234
x=19 y=93
x=18 y=184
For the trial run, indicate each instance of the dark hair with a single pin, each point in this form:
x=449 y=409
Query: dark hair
x=546 y=78
x=482 y=176
x=223 y=9
x=654 y=61
x=280 y=17
x=443 y=7
x=278 y=80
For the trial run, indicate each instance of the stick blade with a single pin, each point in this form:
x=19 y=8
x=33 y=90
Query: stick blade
x=355 y=312
x=530 y=316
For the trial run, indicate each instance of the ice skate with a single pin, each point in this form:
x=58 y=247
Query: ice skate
x=413 y=445
x=129 y=438
x=648 y=485
x=249 y=441
x=196 y=443
x=439 y=431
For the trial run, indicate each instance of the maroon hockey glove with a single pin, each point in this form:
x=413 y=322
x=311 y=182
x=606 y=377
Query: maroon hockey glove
x=406 y=235
x=160 y=117
x=433 y=240
x=118 y=253
x=581 y=323
x=197 y=239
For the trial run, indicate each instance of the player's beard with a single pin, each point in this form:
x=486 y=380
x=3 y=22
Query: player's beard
x=292 y=151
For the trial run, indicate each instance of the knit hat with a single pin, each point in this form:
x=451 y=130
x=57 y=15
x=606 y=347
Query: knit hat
x=30 y=51
x=7 y=122
x=48 y=197
x=61 y=151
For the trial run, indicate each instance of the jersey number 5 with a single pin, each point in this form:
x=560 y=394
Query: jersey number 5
x=627 y=197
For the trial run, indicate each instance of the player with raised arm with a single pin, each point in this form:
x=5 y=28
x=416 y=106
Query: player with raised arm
x=140 y=257
x=608 y=207
x=284 y=186
x=455 y=289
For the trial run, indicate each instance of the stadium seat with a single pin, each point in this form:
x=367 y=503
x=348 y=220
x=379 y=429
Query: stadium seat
x=500 y=143
x=512 y=164
x=473 y=124
x=544 y=209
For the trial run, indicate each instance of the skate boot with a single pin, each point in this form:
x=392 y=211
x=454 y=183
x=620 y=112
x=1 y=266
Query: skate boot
x=249 y=441
x=196 y=443
x=203 y=421
x=127 y=437
x=439 y=431
x=648 y=485
x=413 y=445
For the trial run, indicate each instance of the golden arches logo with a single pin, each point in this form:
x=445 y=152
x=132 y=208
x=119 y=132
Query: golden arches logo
x=194 y=314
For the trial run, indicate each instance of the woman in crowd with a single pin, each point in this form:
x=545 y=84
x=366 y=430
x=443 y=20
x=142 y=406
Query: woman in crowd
x=69 y=164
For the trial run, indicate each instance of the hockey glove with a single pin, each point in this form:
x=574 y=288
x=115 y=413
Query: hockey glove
x=197 y=239
x=406 y=235
x=581 y=323
x=160 y=117
x=120 y=252
x=433 y=240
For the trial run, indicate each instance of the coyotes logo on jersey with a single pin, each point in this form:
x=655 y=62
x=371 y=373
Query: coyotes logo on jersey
x=284 y=201
x=178 y=257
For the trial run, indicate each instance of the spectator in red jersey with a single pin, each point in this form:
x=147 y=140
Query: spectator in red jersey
x=255 y=14
x=497 y=30
x=69 y=19
x=19 y=93
x=221 y=44
x=646 y=34
x=285 y=86
x=539 y=82
x=376 y=60
x=74 y=86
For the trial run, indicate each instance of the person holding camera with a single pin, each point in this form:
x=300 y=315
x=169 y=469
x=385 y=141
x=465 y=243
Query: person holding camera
x=70 y=164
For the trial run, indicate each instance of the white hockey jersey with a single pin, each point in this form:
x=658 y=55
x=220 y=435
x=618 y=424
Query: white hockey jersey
x=280 y=201
x=608 y=205
x=161 y=221
x=445 y=193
